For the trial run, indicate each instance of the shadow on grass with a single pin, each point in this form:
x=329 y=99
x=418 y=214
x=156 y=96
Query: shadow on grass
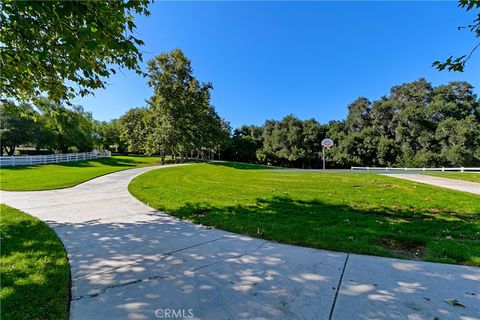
x=187 y=265
x=113 y=162
x=36 y=284
x=384 y=231
x=243 y=165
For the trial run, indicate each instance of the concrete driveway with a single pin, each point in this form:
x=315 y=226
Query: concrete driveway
x=129 y=261
x=460 y=185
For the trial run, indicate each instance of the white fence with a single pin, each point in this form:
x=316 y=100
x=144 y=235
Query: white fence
x=13 y=161
x=460 y=169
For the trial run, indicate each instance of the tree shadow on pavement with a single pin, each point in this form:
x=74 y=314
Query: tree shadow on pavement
x=140 y=264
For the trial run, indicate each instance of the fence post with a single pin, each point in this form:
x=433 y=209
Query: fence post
x=461 y=169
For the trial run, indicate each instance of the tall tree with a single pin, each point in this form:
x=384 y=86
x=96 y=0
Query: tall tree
x=245 y=142
x=65 y=48
x=181 y=116
x=358 y=115
x=133 y=129
x=74 y=129
x=109 y=136
x=416 y=125
x=17 y=126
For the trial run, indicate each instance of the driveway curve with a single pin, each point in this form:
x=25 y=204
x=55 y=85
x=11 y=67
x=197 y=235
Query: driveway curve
x=443 y=182
x=129 y=261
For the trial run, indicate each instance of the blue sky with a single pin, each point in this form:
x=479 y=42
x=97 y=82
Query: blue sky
x=311 y=59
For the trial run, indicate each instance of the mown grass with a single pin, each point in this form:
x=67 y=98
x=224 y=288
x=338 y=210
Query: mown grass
x=62 y=175
x=35 y=274
x=473 y=177
x=360 y=213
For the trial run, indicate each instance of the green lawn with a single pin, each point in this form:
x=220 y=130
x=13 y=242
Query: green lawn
x=474 y=177
x=361 y=213
x=55 y=176
x=34 y=269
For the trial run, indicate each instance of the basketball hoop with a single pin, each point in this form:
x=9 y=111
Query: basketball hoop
x=326 y=144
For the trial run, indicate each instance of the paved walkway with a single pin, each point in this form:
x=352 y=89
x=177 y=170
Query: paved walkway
x=460 y=185
x=129 y=261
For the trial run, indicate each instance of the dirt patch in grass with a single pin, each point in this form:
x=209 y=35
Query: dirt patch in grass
x=407 y=250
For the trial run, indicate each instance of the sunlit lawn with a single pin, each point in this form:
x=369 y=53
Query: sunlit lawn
x=466 y=176
x=361 y=213
x=34 y=269
x=54 y=176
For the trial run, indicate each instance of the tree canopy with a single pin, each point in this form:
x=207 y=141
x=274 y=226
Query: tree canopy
x=416 y=125
x=179 y=117
x=65 y=48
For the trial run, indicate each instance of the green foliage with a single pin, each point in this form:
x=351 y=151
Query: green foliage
x=34 y=268
x=417 y=125
x=109 y=136
x=360 y=213
x=133 y=129
x=66 y=48
x=179 y=118
x=53 y=127
x=458 y=63
x=291 y=141
x=17 y=126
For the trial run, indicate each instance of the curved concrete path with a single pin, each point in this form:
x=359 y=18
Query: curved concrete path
x=459 y=185
x=129 y=261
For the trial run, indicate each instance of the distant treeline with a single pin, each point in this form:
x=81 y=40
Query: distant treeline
x=416 y=125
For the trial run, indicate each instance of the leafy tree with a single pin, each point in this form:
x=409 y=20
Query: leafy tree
x=109 y=136
x=387 y=152
x=244 y=143
x=133 y=129
x=416 y=125
x=381 y=117
x=45 y=136
x=74 y=129
x=459 y=140
x=17 y=126
x=282 y=141
x=292 y=142
x=65 y=48
x=358 y=115
x=181 y=118
x=458 y=63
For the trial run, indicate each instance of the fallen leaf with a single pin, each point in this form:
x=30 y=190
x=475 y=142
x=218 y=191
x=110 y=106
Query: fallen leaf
x=454 y=302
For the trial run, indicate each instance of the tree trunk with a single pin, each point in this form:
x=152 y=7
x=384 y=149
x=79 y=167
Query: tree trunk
x=162 y=157
x=11 y=151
